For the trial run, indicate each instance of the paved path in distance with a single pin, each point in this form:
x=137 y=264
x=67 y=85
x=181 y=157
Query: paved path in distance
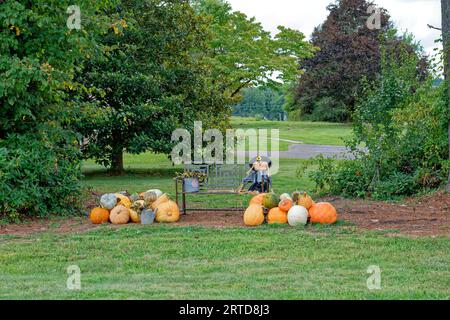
x=308 y=151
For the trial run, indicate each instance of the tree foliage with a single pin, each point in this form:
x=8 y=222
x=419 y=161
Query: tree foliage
x=264 y=103
x=400 y=136
x=39 y=156
x=242 y=54
x=349 y=52
x=148 y=81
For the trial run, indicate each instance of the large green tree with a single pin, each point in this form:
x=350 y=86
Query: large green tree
x=149 y=80
x=349 y=52
x=39 y=163
x=242 y=54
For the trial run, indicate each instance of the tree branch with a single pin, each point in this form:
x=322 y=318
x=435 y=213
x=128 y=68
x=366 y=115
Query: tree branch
x=240 y=87
x=435 y=28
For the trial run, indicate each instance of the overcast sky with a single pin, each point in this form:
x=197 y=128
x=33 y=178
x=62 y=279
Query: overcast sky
x=304 y=15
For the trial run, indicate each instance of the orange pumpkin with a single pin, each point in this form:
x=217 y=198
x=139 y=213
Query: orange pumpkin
x=167 y=212
x=323 y=213
x=277 y=216
x=285 y=205
x=254 y=216
x=99 y=216
x=163 y=199
x=257 y=199
x=305 y=201
x=120 y=215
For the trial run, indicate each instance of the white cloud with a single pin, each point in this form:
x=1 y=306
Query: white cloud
x=304 y=15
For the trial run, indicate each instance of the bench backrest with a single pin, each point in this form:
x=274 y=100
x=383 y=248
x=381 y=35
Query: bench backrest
x=220 y=177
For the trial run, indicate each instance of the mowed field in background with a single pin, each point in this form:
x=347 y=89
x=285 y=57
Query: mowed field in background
x=291 y=132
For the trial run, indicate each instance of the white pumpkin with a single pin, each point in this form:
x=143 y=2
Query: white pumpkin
x=298 y=216
x=108 y=201
x=285 y=196
x=156 y=191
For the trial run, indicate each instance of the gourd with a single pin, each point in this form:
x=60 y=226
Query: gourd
x=99 y=215
x=134 y=197
x=158 y=192
x=254 y=216
x=277 y=216
x=285 y=205
x=138 y=206
x=295 y=196
x=270 y=200
x=305 y=201
x=163 y=199
x=108 y=201
x=258 y=199
x=167 y=212
x=149 y=198
x=119 y=215
x=285 y=196
x=135 y=216
x=297 y=216
x=323 y=213
x=123 y=200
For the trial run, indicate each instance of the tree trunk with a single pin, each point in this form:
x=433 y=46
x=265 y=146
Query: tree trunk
x=117 y=162
x=446 y=44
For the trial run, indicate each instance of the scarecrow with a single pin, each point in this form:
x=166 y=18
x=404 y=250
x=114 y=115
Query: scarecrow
x=258 y=175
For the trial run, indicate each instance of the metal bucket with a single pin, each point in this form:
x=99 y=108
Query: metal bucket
x=147 y=216
x=191 y=185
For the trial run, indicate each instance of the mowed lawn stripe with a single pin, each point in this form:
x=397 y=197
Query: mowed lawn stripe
x=191 y=263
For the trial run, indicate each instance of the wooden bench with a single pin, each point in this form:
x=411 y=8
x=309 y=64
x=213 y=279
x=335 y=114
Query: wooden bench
x=219 y=180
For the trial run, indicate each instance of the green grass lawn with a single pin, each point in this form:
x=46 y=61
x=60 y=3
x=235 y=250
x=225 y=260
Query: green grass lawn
x=320 y=133
x=149 y=171
x=164 y=262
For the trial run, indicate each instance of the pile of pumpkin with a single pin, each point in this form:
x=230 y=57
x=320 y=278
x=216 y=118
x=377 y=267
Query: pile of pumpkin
x=119 y=208
x=295 y=210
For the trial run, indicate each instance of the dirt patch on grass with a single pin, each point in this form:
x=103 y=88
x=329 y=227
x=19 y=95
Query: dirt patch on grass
x=213 y=219
x=54 y=225
x=425 y=216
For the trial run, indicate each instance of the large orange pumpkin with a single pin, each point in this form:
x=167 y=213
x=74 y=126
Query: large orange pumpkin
x=167 y=212
x=119 y=215
x=285 y=205
x=323 y=213
x=99 y=216
x=305 y=201
x=162 y=199
x=277 y=216
x=257 y=199
x=254 y=215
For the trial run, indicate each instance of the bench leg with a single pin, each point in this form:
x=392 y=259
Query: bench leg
x=176 y=192
x=184 y=203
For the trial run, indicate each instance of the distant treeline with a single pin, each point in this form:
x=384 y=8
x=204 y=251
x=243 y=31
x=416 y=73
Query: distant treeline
x=262 y=103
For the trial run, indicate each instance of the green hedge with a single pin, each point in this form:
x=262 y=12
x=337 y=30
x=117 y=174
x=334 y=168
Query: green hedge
x=39 y=177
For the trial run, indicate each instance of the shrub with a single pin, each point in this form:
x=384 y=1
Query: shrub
x=402 y=124
x=39 y=177
x=330 y=110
